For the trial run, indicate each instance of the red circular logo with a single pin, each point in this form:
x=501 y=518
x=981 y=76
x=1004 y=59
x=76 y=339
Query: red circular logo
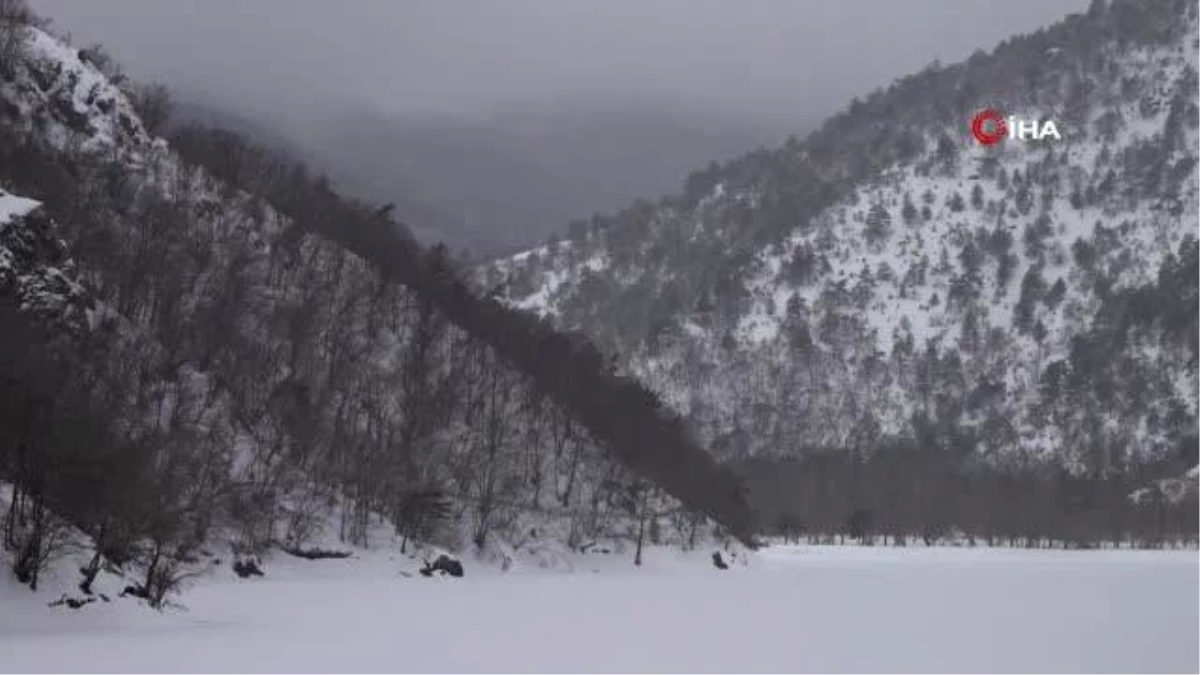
x=985 y=133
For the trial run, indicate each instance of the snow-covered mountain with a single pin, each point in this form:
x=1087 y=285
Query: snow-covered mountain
x=889 y=277
x=192 y=358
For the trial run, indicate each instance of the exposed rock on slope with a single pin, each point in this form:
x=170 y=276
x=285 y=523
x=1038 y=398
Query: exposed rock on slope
x=36 y=276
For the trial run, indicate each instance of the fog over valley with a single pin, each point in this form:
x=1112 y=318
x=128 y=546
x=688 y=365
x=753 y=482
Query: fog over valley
x=493 y=124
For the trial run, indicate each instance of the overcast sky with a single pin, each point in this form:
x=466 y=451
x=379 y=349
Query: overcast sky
x=773 y=58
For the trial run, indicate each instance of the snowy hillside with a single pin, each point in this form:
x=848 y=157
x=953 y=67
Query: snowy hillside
x=90 y=112
x=187 y=367
x=998 y=262
x=12 y=206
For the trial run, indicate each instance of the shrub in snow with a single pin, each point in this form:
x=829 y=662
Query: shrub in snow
x=37 y=545
x=315 y=553
x=73 y=603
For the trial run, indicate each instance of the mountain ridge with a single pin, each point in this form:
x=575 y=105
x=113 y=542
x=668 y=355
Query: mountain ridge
x=208 y=347
x=886 y=277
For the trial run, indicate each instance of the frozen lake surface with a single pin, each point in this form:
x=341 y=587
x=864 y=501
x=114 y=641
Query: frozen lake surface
x=793 y=609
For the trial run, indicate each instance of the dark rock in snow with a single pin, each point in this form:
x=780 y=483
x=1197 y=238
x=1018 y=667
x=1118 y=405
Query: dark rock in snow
x=136 y=590
x=247 y=567
x=444 y=564
x=719 y=562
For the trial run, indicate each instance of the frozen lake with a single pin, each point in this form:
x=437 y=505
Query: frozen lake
x=794 y=609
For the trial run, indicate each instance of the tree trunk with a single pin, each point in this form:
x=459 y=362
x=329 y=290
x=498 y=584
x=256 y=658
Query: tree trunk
x=637 y=558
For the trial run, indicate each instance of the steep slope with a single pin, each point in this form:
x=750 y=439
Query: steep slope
x=228 y=378
x=890 y=280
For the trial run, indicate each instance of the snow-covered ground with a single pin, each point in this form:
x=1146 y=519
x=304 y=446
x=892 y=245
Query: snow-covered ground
x=13 y=206
x=792 y=609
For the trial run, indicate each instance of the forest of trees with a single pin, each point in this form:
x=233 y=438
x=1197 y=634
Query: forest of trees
x=950 y=475
x=902 y=325
x=210 y=340
x=908 y=493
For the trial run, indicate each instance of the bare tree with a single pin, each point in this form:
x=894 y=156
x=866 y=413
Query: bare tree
x=15 y=19
x=153 y=104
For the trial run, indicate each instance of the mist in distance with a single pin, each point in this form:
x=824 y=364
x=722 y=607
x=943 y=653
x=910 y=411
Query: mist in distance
x=492 y=123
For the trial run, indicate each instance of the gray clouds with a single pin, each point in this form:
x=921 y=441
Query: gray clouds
x=771 y=59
